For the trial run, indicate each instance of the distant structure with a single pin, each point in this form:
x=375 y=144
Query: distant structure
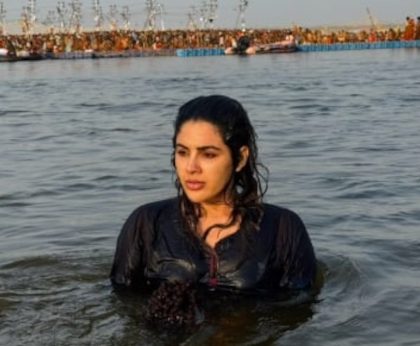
x=28 y=17
x=126 y=15
x=212 y=12
x=51 y=19
x=2 y=18
x=240 y=21
x=98 y=15
x=62 y=13
x=192 y=21
x=372 y=21
x=154 y=11
x=207 y=14
x=75 y=16
x=112 y=17
x=32 y=12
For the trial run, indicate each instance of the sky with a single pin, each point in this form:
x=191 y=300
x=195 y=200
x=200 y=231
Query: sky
x=259 y=14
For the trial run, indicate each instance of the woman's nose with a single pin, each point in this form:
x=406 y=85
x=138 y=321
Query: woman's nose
x=193 y=164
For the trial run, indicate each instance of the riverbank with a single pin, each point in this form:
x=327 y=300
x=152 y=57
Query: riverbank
x=120 y=40
x=131 y=43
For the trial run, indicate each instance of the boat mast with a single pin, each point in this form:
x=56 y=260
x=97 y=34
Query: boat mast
x=125 y=15
x=154 y=9
x=192 y=15
x=61 y=12
x=372 y=21
x=28 y=17
x=212 y=12
x=32 y=13
x=50 y=20
x=2 y=17
x=112 y=17
x=98 y=15
x=240 y=21
x=75 y=15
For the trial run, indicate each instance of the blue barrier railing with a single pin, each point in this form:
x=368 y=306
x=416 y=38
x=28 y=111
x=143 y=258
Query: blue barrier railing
x=358 y=46
x=184 y=53
x=197 y=52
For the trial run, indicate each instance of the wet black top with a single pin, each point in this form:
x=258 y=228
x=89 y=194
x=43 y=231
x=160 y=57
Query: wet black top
x=153 y=246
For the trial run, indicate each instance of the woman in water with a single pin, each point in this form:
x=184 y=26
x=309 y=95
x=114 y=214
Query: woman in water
x=217 y=233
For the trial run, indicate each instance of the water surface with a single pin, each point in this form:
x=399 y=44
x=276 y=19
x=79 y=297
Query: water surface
x=82 y=143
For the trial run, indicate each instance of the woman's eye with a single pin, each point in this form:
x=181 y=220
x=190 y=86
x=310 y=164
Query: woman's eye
x=209 y=155
x=181 y=152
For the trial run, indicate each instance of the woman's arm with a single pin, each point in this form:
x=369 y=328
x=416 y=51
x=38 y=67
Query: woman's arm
x=294 y=254
x=130 y=254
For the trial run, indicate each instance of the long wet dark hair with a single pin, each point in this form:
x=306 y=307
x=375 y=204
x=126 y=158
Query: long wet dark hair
x=248 y=185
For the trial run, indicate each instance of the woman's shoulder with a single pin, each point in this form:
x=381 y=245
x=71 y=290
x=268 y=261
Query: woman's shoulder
x=278 y=211
x=160 y=204
x=283 y=220
x=156 y=207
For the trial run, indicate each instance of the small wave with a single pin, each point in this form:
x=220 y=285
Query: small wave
x=303 y=100
x=295 y=88
x=15 y=205
x=129 y=187
x=96 y=131
x=32 y=262
x=180 y=80
x=43 y=193
x=38 y=84
x=376 y=149
x=14 y=200
x=45 y=138
x=7 y=304
x=93 y=105
x=367 y=194
x=11 y=196
x=314 y=107
x=79 y=187
x=13 y=112
x=337 y=182
x=126 y=107
x=410 y=99
x=298 y=145
x=405 y=216
x=106 y=178
x=122 y=129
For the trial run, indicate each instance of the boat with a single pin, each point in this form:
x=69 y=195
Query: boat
x=276 y=47
x=23 y=55
x=244 y=47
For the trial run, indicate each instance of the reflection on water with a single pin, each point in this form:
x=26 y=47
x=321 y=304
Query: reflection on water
x=68 y=298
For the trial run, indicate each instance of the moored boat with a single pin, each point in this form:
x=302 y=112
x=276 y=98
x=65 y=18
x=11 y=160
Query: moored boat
x=244 y=47
x=12 y=55
x=276 y=47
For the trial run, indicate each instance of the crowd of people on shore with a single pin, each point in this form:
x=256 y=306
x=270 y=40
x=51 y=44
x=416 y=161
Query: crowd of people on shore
x=123 y=40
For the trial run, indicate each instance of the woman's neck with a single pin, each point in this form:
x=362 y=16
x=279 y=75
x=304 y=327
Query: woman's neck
x=216 y=223
x=216 y=212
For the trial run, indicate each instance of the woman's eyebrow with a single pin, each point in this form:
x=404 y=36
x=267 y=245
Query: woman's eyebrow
x=207 y=147
x=202 y=148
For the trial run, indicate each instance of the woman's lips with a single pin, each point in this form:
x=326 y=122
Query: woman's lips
x=194 y=185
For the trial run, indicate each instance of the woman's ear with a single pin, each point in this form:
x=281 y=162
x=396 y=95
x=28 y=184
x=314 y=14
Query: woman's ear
x=244 y=153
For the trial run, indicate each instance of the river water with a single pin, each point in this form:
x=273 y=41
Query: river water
x=84 y=142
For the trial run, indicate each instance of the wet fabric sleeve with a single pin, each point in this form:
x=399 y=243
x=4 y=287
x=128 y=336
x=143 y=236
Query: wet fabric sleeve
x=294 y=254
x=130 y=254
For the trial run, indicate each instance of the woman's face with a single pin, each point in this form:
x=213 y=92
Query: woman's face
x=203 y=162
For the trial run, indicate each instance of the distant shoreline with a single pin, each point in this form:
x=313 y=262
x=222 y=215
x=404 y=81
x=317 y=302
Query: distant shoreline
x=15 y=28
x=115 y=43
